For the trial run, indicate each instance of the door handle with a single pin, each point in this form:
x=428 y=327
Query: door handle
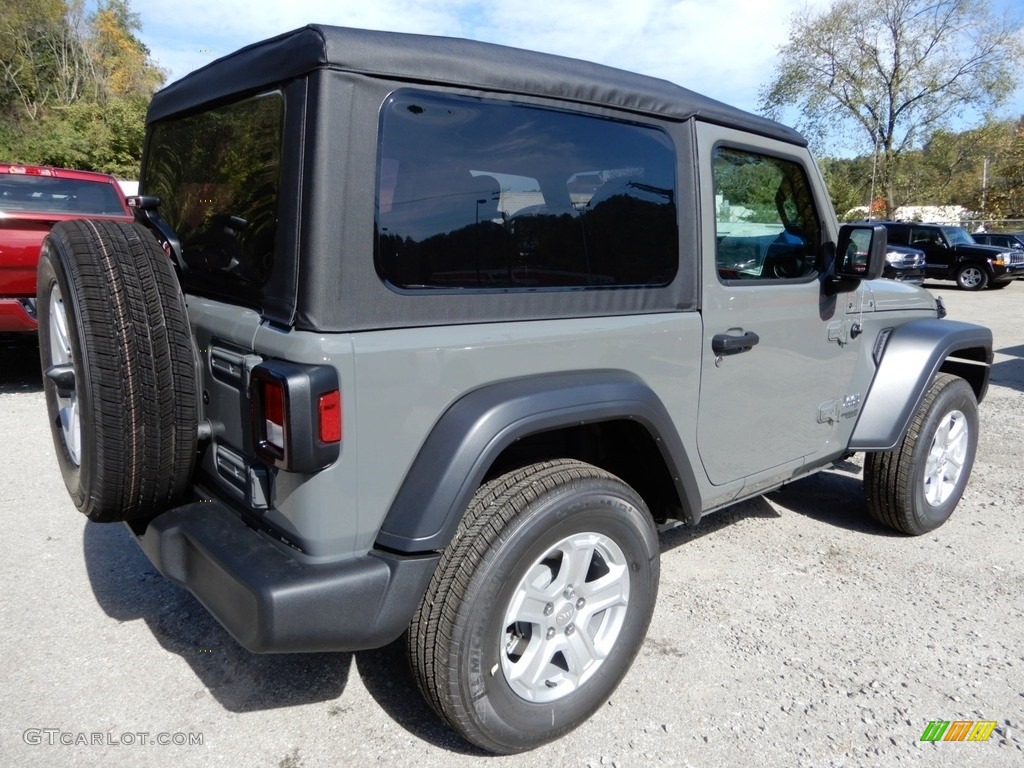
x=724 y=344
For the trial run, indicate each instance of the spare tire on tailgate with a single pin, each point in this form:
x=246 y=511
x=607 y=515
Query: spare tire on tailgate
x=119 y=368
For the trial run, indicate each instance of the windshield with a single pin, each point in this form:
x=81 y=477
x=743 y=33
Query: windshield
x=47 y=194
x=958 y=236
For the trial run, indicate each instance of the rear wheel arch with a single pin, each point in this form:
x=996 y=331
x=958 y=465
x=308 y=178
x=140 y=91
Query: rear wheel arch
x=509 y=424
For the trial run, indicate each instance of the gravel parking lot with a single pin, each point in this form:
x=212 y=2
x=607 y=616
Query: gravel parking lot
x=790 y=631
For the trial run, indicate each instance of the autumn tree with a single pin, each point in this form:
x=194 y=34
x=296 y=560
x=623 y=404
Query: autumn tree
x=889 y=73
x=73 y=88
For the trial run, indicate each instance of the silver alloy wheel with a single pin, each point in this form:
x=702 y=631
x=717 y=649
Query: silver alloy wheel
x=970 y=277
x=564 y=617
x=67 y=397
x=946 y=458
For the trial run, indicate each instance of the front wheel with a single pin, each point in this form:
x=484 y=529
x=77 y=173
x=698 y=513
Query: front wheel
x=915 y=488
x=538 y=606
x=971 y=278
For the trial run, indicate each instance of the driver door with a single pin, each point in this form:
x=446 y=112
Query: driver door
x=772 y=359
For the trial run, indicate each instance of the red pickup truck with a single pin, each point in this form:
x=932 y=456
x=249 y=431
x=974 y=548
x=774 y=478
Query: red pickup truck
x=32 y=200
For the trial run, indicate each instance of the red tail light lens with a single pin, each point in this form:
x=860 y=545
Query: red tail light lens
x=330 y=417
x=273 y=413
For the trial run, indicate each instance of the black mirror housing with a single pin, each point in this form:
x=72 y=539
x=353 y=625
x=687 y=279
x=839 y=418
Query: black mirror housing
x=860 y=252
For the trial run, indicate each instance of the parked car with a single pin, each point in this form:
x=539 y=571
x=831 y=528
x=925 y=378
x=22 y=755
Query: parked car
x=952 y=254
x=904 y=263
x=1001 y=239
x=429 y=384
x=32 y=200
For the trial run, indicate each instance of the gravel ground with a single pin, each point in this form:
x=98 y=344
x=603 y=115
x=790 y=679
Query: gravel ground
x=790 y=631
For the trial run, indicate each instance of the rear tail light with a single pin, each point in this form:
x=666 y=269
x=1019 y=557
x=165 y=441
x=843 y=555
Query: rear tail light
x=273 y=414
x=330 y=417
x=295 y=412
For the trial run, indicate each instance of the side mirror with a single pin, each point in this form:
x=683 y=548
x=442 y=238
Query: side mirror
x=860 y=252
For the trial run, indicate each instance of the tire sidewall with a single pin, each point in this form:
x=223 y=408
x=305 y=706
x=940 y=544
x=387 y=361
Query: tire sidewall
x=511 y=721
x=52 y=271
x=957 y=396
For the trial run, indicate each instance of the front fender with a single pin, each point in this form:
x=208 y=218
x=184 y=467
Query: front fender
x=914 y=353
x=472 y=433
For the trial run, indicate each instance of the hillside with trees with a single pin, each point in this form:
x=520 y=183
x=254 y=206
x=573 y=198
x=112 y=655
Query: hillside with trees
x=981 y=169
x=74 y=87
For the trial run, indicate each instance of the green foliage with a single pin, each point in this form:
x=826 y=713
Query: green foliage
x=981 y=169
x=73 y=90
x=893 y=72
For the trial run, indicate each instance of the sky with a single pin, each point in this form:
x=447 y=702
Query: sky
x=725 y=49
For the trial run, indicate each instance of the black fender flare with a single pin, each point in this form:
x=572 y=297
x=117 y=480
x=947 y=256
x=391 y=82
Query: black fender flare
x=475 y=429
x=913 y=354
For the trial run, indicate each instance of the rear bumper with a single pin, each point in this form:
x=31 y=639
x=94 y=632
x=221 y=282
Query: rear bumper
x=269 y=600
x=17 y=316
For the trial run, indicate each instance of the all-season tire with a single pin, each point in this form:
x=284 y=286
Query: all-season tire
x=915 y=488
x=119 y=370
x=971 y=278
x=538 y=606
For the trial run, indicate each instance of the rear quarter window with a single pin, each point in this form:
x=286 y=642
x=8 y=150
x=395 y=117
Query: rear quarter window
x=477 y=194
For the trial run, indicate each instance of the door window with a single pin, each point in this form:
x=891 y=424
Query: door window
x=766 y=225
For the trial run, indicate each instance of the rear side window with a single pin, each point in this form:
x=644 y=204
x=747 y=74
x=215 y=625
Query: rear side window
x=217 y=175
x=480 y=194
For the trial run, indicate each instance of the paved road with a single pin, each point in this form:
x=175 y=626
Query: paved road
x=790 y=631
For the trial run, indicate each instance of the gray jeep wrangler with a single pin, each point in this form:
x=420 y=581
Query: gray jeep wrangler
x=425 y=336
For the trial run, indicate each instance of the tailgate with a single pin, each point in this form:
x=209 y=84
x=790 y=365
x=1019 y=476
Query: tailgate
x=20 y=240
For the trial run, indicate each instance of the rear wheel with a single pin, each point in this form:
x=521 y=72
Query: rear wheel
x=538 y=606
x=916 y=488
x=119 y=368
x=971 y=278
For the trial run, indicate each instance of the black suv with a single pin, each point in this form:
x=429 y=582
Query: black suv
x=1001 y=239
x=952 y=254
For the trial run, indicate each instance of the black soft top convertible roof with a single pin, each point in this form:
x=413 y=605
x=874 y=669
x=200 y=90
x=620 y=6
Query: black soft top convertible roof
x=450 y=61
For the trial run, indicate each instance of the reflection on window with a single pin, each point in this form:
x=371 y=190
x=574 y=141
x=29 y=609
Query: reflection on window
x=47 y=194
x=217 y=177
x=766 y=225
x=489 y=195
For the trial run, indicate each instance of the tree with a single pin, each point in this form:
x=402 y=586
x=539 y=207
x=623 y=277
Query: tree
x=42 y=57
x=73 y=89
x=891 y=72
x=125 y=67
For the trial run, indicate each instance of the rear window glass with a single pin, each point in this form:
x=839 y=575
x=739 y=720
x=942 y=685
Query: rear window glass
x=47 y=194
x=481 y=194
x=217 y=175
